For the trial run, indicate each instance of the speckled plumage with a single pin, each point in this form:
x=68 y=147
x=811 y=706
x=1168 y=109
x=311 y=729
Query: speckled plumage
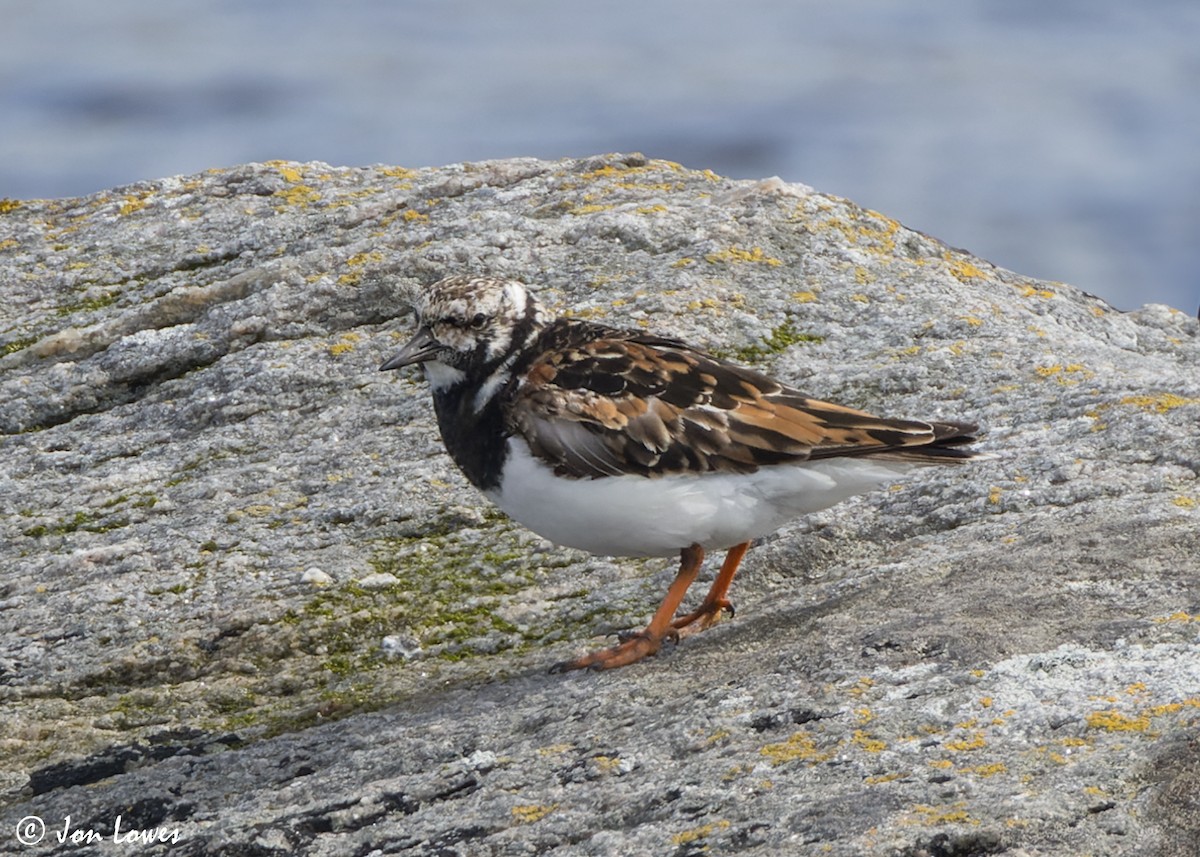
x=626 y=443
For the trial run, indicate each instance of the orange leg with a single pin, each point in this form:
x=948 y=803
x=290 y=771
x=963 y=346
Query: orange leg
x=715 y=602
x=644 y=643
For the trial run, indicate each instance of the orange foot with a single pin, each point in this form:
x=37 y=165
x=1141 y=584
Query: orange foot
x=633 y=647
x=703 y=617
x=665 y=626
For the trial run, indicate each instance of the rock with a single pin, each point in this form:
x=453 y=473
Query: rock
x=315 y=577
x=1002 y=658
x=378 y=581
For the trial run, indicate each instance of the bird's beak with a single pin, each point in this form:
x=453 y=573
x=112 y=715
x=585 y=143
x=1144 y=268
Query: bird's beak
x=420 y=348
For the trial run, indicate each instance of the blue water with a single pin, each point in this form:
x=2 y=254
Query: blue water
x=1058 y=139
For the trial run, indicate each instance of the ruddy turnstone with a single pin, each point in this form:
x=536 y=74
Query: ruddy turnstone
x=625 y=443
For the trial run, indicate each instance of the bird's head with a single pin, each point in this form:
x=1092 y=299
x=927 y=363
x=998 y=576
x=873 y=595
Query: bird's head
x=467 y=325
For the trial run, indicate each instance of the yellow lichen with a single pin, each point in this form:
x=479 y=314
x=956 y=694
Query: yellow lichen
x=701 y=832
x=862 y=686
x=1030 y=291
x=804 y=297
x=360 y=259
x=660 y=186
x=7 y=205
x=876 y=779
x=414 y=216
x=1068 y=375
x=529 y=813
x=1115 y=721
x=1161 y=403
x=1179 y=616
x=986 y=771
x=738 y=254
x=961 y=269
x=607 y=764
x=131 y=204
x=585 y=312
x=683 y=263
x=398 y=172
x=878 y=240
x=960 y=745
x=347 y=344
x=994 y=495
x=867 y=743
x=298 y=195
x=1173 y=707
x=606 y=171
x=955 y=813
x=801 y=747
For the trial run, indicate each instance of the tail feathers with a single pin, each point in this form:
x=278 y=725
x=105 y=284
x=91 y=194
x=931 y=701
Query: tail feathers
x=912 y=441
x=946 y=447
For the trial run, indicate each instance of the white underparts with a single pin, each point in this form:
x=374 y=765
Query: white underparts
x=659 y=516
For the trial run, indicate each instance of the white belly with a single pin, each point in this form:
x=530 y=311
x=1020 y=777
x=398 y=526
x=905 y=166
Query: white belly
x=641 y=516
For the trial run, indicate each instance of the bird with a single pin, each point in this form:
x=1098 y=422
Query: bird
x=626 y=443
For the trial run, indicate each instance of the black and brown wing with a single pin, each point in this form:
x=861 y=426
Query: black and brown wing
x=603 y=402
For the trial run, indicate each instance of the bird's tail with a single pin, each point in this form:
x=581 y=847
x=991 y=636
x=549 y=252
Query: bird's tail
x=947 y=446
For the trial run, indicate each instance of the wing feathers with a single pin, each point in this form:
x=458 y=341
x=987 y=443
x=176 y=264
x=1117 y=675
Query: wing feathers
x=601 y=402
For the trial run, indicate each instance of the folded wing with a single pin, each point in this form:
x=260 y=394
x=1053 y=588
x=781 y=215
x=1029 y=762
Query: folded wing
x=603 y=402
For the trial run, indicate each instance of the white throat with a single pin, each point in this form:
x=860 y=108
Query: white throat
x=442 y=377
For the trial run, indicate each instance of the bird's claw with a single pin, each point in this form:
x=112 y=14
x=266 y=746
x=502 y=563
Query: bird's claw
x=704 y=616
x=633 y=646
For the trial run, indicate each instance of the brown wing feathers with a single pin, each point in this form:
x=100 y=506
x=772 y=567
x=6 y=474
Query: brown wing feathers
x=617 y=402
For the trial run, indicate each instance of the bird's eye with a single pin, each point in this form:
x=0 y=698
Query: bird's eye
x=479 y=320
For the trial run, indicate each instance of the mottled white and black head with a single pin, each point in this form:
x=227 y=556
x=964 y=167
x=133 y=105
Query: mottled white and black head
x=468 y=328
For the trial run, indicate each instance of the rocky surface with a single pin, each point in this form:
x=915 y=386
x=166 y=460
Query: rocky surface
x=246 y=599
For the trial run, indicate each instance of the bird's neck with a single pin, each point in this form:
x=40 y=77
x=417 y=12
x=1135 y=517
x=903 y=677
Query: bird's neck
x=476 y=438
x=471 y=410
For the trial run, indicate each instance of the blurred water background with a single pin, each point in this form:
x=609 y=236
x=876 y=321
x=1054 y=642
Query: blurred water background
x=1059 y=139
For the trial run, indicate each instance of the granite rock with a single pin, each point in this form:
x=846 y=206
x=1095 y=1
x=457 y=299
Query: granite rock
x=246 y=599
